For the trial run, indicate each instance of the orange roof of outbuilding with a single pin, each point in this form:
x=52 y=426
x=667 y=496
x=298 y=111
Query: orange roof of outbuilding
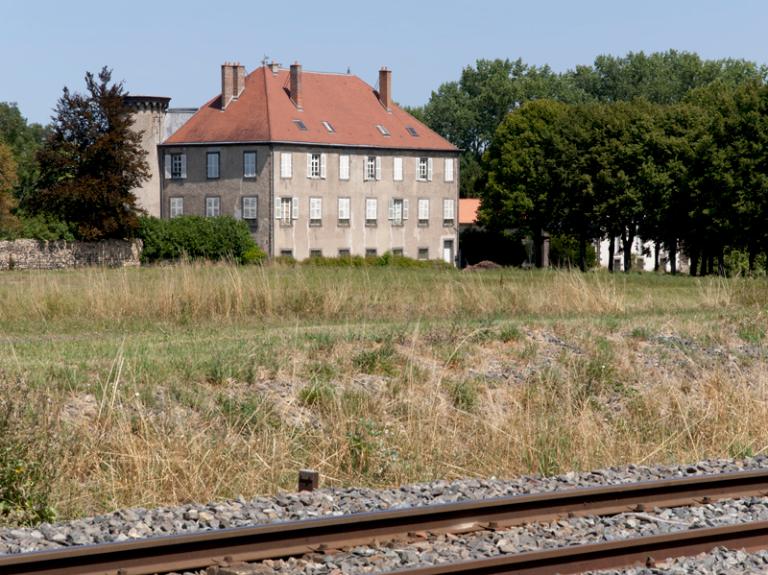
x=264 y=112
x=468 y=210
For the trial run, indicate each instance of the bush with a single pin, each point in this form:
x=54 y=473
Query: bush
x=40 y=227
x=564 y=252
x=197 y=237
x=385 y=260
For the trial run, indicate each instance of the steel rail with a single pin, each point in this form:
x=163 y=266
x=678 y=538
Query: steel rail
x=202 y=549
x=648 y=550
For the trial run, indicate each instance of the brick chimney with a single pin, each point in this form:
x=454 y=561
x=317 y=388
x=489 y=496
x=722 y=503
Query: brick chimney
x=296 y=84
x=385 y=88
x=232 y=82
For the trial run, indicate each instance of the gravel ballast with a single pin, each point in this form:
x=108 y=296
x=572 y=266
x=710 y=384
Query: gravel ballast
x=130 y=524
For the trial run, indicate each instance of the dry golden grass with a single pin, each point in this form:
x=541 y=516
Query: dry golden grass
x=201 y=382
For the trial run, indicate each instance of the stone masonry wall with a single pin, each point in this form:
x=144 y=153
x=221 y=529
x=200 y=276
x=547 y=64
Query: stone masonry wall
x=43 y=255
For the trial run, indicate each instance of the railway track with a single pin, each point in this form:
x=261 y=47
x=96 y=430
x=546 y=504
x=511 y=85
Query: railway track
x=292 y=538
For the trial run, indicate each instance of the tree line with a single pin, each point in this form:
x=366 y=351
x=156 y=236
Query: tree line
x=666 y=146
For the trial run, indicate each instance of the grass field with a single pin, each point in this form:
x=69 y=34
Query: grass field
x=157 y=386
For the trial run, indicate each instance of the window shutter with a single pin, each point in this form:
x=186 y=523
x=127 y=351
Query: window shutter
x=423 y=209
x=183 y=166
x=429 y=169
x=322 y=166
x=398 y=169
x=343 y=167
x=449 y=169
x=391 y=209
x=405 y=209
x=167 y=166
x=309 y=165
x=278 y=208
x=378 y=167
x=295 y=208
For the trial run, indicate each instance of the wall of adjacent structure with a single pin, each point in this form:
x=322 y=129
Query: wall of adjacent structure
x=43 y=255
x=231 y=187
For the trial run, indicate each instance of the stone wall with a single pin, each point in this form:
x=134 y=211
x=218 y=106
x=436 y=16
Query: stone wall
x=43 y=255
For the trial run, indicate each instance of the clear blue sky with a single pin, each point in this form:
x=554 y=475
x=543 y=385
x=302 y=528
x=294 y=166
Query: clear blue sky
x=169 y=48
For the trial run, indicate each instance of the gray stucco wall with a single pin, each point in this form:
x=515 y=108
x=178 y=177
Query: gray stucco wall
x=300 y=237
x=230 y=187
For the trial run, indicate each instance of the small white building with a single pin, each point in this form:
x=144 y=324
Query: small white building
x=642 y=256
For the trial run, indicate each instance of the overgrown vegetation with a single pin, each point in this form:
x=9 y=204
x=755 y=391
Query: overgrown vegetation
x=196 y=237
x=201 y=381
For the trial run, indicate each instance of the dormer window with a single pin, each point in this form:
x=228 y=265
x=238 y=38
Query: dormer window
x=328 y=126
x=412 y=131
x=300 y=125
x=382 y=129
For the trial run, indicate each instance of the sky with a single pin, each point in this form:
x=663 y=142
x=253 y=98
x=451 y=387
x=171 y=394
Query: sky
x=175 y=49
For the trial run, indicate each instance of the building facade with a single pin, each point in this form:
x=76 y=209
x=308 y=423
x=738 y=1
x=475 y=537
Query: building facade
x=317 y=164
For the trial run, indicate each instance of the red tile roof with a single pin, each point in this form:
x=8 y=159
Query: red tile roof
x=264 y=112
x=468 y=210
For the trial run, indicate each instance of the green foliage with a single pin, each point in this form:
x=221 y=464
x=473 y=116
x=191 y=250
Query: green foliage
x=464 y=395
x=39 y=227
x=317 y=394
x=24 y=141
x=381 y=360
x=385 y=260
x=197 y=237
x=26 y=468
x=91 y=162
x=564 y=252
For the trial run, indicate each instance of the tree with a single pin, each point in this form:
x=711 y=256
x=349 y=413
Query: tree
x=24 y=141
x=90 y=163
x=8 y=181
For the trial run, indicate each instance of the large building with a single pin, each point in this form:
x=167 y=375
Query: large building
x=317 y=164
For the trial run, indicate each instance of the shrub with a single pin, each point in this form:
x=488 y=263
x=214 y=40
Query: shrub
x=564 y=252
x=197 y=237
x=39 y=227
x=385 y=260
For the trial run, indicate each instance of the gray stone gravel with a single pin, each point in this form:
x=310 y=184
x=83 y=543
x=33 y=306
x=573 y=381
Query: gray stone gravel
x=129 y=524
x=450 y=548
x=720 y=560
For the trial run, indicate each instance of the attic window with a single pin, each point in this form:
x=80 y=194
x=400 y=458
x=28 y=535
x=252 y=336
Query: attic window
x=382 y=129
x=412 y=131
x=328 y=126
x=301 y=125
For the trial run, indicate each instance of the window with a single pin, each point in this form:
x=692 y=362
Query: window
x=371 y=209
x=250 y=205
x=372 y=168
x=412 y=131
x=397 y=252
x=212 y=165
x=286 y=164
x=175 y=166
x=370 y=252
x=449 y=211
x=286 y=210
x=177 y=207
x=423 y=253
x=315 y=211
x=300 y=125
x=344 y=252
x=316 y=166
x=397 y=168
x=398 y=211
x=448 y=169
x=249 y=164
x=382 y=130
x=344 y=209
x=328 y=126
x=424 y=172
x=423 y=211
x=286 y=253
x=343 y=167
x=315 y=253
x=212 y=206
